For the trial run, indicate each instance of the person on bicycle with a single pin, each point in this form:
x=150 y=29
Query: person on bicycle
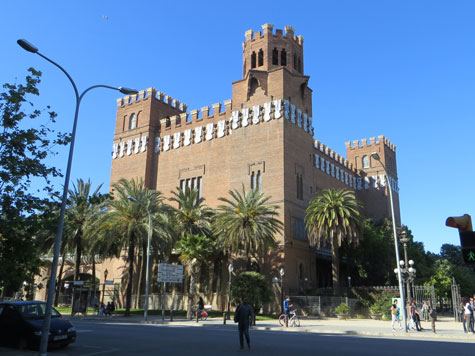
x=287 y=306
x=199 y=307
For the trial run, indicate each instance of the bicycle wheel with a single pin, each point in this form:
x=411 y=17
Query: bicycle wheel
x=296 y=321
x=282 y=320
x=204 y=317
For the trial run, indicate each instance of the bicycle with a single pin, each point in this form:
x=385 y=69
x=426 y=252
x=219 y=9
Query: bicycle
x=293 y=319
x=203 y=314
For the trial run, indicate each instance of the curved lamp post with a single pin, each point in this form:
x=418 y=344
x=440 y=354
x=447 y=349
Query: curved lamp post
x=57 y=244
x=282 y=272
x=375 y=156
x=145 y=312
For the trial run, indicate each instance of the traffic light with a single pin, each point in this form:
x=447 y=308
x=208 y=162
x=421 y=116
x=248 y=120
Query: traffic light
x=467 y=236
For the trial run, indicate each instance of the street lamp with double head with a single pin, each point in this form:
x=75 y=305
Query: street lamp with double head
x=57 y=244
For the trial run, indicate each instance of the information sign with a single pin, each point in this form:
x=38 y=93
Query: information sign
x=169 y=273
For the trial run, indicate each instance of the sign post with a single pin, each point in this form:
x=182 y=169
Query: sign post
x=168 y=273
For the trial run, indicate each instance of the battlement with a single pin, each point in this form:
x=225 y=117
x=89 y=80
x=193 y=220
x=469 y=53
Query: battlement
x=370 y=142
x=267 y=30
x=155 y=95
x=333 y=155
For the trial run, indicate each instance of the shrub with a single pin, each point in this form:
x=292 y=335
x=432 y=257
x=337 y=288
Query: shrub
x=343 y=308
x=254 y=287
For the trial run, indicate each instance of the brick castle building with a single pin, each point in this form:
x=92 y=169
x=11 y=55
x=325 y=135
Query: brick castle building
x=263 y=137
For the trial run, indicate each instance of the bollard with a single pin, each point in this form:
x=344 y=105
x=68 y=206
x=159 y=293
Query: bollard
x=224 y=318
x=171 y=315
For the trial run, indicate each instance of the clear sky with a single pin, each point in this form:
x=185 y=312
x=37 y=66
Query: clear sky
x=403 y=69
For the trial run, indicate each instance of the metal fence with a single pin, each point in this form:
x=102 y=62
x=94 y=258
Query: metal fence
x=320 y=305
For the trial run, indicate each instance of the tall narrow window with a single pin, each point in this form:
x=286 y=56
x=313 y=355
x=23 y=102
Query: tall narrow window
x=253 y=60
x=283 y=57
x=299 y=64
x=299 y=186
x=295 y=61
x=275 y=57
x=259 y=178
x=198 y=186
x=261 y=58
x=365 y=162
x=132 y=121
x=253 y=180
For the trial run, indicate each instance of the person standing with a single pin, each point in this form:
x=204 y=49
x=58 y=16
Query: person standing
x=244 y=315
x=425 y=311
x=395 y=312
x=199 y=307
x=467 y=314
x=287 y=306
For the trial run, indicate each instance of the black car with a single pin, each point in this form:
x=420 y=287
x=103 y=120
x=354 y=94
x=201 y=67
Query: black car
x=21 y=323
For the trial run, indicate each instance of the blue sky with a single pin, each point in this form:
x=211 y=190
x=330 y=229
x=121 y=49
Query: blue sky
x=403 y=69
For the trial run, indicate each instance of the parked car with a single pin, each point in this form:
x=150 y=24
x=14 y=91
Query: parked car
x=21 y=323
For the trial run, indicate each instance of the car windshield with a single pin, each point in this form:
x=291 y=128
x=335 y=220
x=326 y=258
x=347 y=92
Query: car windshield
x=36 y=311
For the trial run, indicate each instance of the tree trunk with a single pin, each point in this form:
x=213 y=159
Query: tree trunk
x=60 y=278
x=194 y=273
x=130 y=258
x=335 y=265
x=93 y=280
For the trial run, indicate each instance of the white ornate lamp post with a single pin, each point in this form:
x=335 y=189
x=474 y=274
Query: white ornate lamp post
x=375 y=155
x=230 y=270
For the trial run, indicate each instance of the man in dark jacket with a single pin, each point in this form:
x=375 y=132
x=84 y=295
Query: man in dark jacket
x=244 y=316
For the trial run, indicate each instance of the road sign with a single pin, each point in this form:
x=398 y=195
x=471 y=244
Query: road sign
x=109 y=282
x=169 y=273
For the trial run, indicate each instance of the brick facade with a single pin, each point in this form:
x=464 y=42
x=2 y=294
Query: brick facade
x=265 y=130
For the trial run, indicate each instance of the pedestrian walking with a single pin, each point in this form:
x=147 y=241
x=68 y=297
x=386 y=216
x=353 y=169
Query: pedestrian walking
x=467 y=316
x=395 y=312
x=244 y=315
x=433 y=318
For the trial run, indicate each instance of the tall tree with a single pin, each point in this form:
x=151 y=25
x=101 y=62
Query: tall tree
x=27 y=138
x=194 y=250
x=247 y=223
x=194 y=224
x=331 y=217
x=125 y=224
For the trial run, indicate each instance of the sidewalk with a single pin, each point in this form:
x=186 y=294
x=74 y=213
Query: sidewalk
x=447 y=329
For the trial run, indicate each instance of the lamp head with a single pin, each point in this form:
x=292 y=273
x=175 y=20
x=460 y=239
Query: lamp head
x=396 y=270
x=230 y=267
x=131 y=198
x=401 y=263
x=27 y=46
x=375 y=155
x=411 y=262
x=127 y=91
x=282 y=272
x=106 y=272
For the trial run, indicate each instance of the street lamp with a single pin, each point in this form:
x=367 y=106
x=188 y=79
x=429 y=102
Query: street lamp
x=106 y=272
x=282 y=272
x=404 y=238
x=375 y=156
x=230 y=270
x=145 y=312
x=57 y=244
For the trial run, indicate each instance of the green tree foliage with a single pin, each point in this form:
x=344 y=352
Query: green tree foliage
x=194 y=250
x=247 y=223
x=332 y=217
x=26 y=140
x=253 y=286
x=124 y=225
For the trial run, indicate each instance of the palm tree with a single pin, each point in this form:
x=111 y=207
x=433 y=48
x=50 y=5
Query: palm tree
x=196 y=243
x=247 y=223
x=194 y=250
x=124 y=224
x=192 y=215
x=331 y=217
x=81 y=206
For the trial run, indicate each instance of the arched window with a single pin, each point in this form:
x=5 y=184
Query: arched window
x=275 y=57
x=132 y=121
x=365 y=162
x=283 y=57
x=253 y=60
x=253 y=85
x=261 y=58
